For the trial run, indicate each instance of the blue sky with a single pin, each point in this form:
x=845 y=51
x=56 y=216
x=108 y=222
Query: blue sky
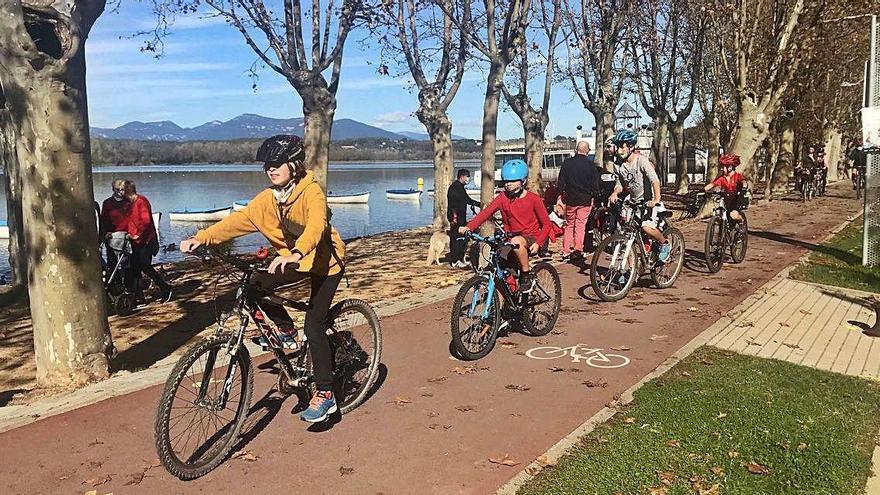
x=203 y=76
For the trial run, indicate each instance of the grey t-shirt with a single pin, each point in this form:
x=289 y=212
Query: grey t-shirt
x=640 y=170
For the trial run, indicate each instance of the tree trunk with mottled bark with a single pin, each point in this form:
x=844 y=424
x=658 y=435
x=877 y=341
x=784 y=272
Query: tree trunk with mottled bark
x=752 y=131
x=785 y=163
x=319 y=107
x=490 y=132
x=659 y=146
x=832 y=152
x=534 y=141
x=440 y=131
x=772 y=147
x=714 y=145
x=42 y=70
x=682 y=180
x=12 y=185
x=604 y=119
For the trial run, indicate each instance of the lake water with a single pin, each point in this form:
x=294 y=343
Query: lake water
x=177 y=187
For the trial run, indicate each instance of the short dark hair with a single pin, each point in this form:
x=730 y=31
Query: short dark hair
x=462 y=172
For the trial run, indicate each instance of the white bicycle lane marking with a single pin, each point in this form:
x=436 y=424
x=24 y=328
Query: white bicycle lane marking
x=592 y=356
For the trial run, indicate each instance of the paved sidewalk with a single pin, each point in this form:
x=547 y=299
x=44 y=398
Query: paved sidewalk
x=807 y=324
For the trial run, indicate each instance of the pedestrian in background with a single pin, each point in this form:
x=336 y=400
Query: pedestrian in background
x=578 y=185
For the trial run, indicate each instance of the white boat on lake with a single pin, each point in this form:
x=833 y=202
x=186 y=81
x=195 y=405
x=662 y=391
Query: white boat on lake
x=403 y=194
x=206 y=215
x=240 y=205
x=349 y=199
x=4 y=230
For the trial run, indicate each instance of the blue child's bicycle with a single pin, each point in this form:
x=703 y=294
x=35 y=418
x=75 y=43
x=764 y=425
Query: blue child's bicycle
x=478 y=308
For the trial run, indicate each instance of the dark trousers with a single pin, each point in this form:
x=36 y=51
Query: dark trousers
x=323 y=290
x=141 y=262
x=457 y=246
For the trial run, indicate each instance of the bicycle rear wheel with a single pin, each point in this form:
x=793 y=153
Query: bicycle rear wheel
x=714 y=244
x=356 y=344
x=740 y=242
x=195 y=429
x=612 y=274
x=664 y=274
x=541 y=309
x=472 y=336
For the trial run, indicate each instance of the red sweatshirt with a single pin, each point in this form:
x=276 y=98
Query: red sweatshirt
x=525 y=215
x=114 y=215
x=140 y=222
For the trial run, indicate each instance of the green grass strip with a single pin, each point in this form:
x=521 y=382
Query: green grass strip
x=839 y=262
x=720 y=422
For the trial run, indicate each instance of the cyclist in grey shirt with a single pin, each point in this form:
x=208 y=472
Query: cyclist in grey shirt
x=633 y=169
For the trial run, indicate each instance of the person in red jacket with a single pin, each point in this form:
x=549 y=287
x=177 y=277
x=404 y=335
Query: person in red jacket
x=524 y=216
x=144 y=241
x=730 y=182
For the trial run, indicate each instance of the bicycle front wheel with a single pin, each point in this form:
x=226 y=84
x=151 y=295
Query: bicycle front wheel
x=542 y=304
x=714 y=244
x=356 y=343
x=740 y=240
x=613 y=271
x=473 y=336
x=664 y=274
x=203 y=407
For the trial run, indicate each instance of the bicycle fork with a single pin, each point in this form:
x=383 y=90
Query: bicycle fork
x=484 y=317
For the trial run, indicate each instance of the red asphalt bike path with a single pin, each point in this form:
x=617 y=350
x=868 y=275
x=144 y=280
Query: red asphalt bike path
x=428 y=429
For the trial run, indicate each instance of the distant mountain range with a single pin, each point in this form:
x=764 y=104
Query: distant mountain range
x=246 y=126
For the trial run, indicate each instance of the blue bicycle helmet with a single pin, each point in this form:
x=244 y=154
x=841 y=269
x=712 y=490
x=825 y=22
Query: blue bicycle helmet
x=515 y=169
x=626 y=136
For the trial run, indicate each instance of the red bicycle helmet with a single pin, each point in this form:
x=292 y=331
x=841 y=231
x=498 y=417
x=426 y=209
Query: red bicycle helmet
x=729 y=160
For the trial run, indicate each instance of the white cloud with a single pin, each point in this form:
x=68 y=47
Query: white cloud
x=389 y=119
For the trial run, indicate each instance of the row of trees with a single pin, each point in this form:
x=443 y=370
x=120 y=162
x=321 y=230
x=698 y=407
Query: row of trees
x=762 y=73
x=136 y=152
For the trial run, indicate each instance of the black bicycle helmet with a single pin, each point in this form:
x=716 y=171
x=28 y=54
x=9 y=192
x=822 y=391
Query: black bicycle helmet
x=283 y=148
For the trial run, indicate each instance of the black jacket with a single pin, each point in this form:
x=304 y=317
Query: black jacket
x=457 y=202
x=578 y=181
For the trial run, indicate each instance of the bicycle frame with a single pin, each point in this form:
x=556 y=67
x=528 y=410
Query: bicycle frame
x=246 y=308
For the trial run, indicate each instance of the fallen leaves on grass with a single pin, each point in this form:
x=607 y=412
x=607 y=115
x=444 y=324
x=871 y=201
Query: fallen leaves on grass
x=722 y=415
x=518 y=388
x=344 y=471
x=667 y=477
x=630 y=420
x=758 y=469
x=802 y=447
x=673 y=443
x=717 y=471
x=685 y=374
x=504 y=460
x=655 y=490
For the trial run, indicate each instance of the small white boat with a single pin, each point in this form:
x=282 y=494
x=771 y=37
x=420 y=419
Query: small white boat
x=404 y=194
x=430 y=193
x=349 y=199
x=4 y=230
x=473 y=193
x=240 y=205
x=208 y=215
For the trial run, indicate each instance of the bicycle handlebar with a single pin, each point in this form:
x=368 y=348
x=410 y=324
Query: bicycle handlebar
x=206 y=252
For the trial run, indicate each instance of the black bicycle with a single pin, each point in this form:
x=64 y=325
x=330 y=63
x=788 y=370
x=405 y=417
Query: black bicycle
x=477 y=311
x=207 y=396
x=858 y=180
x=722 y=233
x=621 y=258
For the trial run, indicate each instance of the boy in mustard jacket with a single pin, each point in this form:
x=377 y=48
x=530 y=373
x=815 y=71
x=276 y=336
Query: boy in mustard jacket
x=292 y=215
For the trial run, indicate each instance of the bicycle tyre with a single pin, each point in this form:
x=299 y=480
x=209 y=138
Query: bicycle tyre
x=529 y=315
x=740 y=243
x=594 y=269
x=458 y=343
x=714 y=254
x=218 y=453
x=349 y=401
x=676 y=259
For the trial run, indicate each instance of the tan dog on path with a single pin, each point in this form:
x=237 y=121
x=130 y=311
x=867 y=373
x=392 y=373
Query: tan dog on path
x=438 y=245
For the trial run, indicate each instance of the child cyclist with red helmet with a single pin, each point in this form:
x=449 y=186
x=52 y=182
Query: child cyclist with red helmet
x=730 y=183
x=524 y=217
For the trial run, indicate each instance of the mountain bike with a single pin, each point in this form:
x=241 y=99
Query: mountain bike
x=858 y=179
x=477 y=311
x=807 y=185
x=207 y=395
x=722 y=232
x=621 y=258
